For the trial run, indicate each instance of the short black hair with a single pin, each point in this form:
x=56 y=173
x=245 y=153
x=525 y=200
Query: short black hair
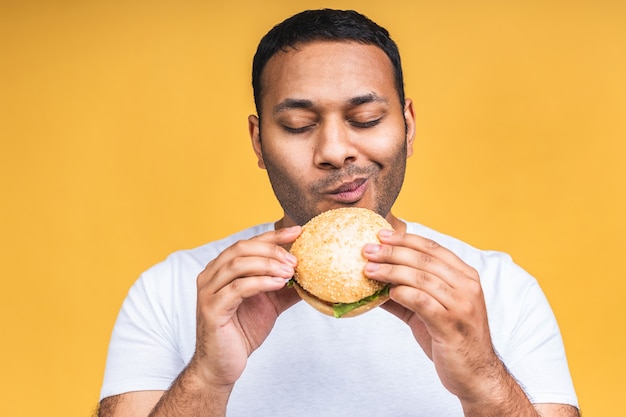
x=323 y=25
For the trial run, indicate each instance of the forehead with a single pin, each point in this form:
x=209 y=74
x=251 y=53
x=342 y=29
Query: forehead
x=325 y=72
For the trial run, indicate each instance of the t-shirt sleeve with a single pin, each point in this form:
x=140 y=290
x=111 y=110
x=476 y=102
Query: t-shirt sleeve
x=142 y=353
x=535 y=354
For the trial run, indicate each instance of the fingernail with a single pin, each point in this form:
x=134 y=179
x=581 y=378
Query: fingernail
x=385 y=233
x=279 y=280
x=291 y=259
x=371 y=248
x=371 y=267
x=287 y=268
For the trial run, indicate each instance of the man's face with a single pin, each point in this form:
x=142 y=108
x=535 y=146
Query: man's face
x=333 y=132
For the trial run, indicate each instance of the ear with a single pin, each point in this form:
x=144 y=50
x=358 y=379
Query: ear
x=254 y=130
x=409 y=117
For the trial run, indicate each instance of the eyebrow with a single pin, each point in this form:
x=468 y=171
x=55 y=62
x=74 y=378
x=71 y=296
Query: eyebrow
x=293 y=103
x=367 y=98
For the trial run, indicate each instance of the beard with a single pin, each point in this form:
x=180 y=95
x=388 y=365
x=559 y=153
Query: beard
x=301 y=201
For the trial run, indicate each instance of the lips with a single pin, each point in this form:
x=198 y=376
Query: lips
x=350 y=192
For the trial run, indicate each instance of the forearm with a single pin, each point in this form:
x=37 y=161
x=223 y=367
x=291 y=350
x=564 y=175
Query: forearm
x=500 y=395
x=190 y=396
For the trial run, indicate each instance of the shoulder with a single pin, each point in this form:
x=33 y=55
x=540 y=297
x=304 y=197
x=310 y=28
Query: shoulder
x=478 y=258
x=182 y=267
x=198 y=257
x=207 y=252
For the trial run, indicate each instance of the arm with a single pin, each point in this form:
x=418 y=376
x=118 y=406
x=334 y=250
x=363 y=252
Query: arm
x=239 y=297
x=138 y=403
x=185 y=397
x=441 y=299
x=556 y=410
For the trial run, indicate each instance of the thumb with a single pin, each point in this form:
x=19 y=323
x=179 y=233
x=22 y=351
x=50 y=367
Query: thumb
x=418 y=328
x=285 y=298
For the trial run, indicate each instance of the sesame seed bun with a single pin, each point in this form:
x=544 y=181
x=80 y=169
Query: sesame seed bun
x=330 y=260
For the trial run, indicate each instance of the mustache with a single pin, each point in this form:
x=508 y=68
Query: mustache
x=348 y=173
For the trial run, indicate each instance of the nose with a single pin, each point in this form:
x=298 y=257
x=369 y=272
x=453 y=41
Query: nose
x=334 y=146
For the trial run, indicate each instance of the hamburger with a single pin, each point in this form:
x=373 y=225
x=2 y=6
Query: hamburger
x=329 y=275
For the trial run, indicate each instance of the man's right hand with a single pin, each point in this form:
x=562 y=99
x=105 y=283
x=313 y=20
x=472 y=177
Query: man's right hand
x=240 y=295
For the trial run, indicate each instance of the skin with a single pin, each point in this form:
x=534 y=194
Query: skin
x=321 y=132
x=334 y=134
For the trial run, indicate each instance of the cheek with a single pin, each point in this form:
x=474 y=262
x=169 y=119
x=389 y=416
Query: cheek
x=284 y=167
x=387 y=143
x=288 y=161
x=385 y=151
x=291 y=156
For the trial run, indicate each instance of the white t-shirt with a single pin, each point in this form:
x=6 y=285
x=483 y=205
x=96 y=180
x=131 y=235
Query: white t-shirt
x=314 y=365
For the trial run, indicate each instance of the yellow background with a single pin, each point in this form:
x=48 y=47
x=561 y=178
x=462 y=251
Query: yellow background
x=124 y=137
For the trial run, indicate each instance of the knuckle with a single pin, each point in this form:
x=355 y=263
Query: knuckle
x=232 y=265
x=443 y=288
x=387 y=251
x=421 y=279
x=236 y=286
x=277 y=252
x=205 y=301
x=390 y=269
x=474 y=289
x=422 y=260
x=268 y=265
x=473 y=273
x=431 y=244
x=239 y=246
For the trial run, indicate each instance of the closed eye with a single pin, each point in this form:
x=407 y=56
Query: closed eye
x=366 y=125
x=297 y=130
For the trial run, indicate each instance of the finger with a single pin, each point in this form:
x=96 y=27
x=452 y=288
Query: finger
x=420 y=332
x=428 y=247
x=387 y=261
x=397 y=310
x=218 y=307
x=427 y=307
x=461 y=312
x=247 y=266
x=430 y=321
x=285 y=298
x=234 y=261
x=280 y=236
x=267 y=244
x=407 y=276
x=403 y=266
x=450 y=288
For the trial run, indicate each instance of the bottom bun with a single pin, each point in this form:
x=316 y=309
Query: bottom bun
x=327 y=308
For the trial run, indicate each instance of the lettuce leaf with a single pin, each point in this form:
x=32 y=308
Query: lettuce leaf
x=339 y=309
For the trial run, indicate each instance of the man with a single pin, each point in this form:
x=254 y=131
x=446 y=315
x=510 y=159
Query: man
x=334 y=129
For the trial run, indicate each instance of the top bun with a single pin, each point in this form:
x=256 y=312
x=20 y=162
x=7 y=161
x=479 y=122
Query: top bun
x=329 y=251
